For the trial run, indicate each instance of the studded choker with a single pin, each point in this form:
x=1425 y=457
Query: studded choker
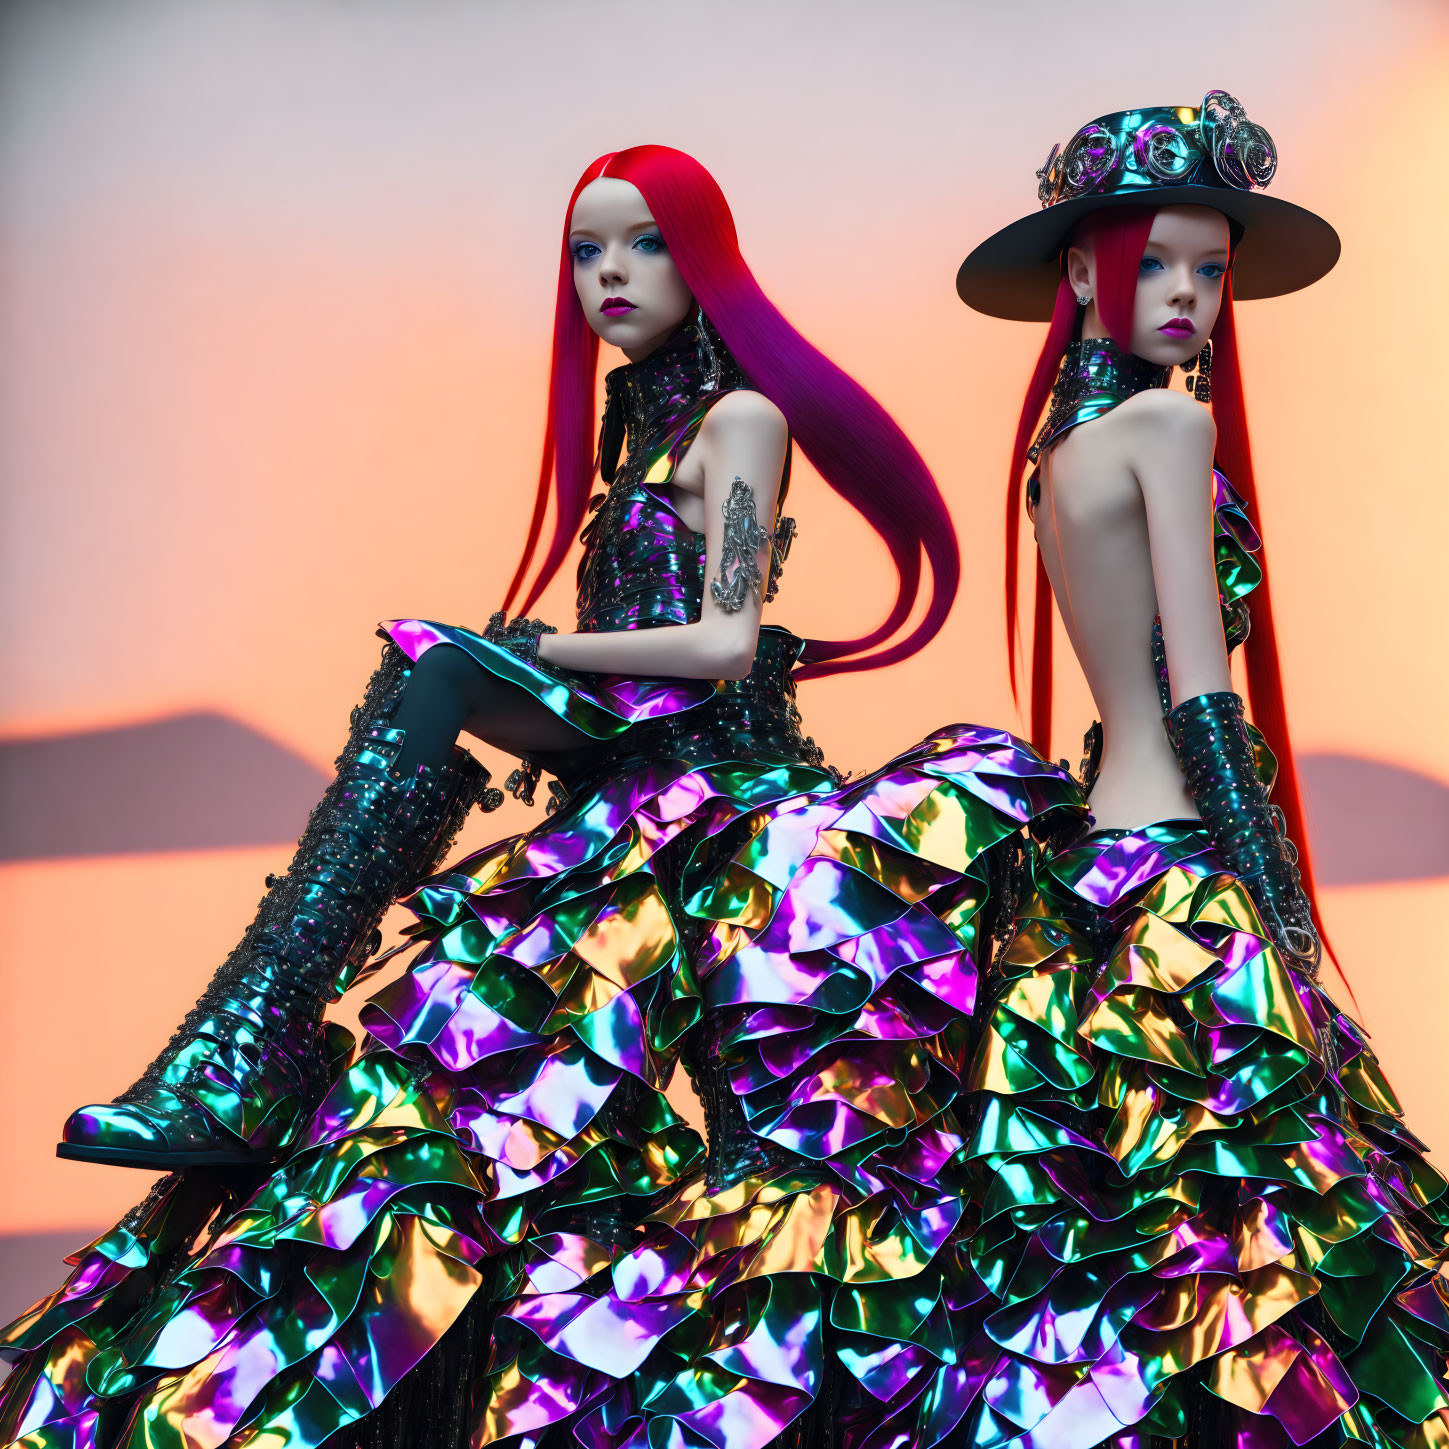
x=1096 y=375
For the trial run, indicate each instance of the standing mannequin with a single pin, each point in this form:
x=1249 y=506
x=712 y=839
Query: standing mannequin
x=1204 y=1222
x=486 y=1224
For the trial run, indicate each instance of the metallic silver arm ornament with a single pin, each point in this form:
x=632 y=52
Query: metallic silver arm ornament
x=739 y=563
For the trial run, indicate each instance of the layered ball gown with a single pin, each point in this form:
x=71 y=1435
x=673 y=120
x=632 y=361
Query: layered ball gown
x=1200 y=1217
x=493 y=1228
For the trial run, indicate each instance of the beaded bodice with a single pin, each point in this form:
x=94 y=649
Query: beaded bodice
x=642 y=565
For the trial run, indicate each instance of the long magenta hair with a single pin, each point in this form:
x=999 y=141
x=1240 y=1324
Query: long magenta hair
x=850 y=439
x=1119 y=239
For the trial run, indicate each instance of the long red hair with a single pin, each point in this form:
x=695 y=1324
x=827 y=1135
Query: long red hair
x=1119 y=239
x=850 y=439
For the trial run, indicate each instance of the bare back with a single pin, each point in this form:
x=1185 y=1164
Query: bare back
x=1124 y=524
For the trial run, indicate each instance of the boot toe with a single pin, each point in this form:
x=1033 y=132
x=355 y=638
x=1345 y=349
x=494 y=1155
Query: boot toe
x=164 y=1135
x=113 y=1126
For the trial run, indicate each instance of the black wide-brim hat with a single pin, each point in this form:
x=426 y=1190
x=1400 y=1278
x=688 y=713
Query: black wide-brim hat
x=1161 y=156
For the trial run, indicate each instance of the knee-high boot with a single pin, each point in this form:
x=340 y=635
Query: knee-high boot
x=246 y=1066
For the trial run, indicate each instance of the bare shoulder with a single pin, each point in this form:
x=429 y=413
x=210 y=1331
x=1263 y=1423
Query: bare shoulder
x=745 y=415
x=1147 y=427
x=743 y=434
x=1162 y=414
x=1167 y=441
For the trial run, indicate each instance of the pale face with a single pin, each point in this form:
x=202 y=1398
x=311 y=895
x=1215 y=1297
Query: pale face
x=1179 y=284
x=630 y=289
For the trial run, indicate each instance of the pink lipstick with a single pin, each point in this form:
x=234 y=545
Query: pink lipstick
x=1179 y=327
x=616 y=307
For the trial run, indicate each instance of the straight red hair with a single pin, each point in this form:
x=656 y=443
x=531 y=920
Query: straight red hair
x=850 y=439
x=1120 y=238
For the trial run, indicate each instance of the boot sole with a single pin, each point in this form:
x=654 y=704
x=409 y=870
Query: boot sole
x=159 y=1161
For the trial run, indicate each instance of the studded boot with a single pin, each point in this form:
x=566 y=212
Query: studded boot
x=245 y=1069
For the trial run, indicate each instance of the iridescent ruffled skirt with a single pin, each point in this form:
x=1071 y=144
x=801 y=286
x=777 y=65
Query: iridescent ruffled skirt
x=1201 y=1216
x=498 y=1154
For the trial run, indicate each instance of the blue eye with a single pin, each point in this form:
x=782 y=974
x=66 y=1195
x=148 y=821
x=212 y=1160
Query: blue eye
x=650 y=242
x=1211 y=270
x=584 y=251
x=1149 y=264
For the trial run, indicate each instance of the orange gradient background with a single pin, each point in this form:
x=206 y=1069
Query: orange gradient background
x=277 y=299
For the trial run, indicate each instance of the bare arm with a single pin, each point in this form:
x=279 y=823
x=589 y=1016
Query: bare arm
x=1170 y=449
x=744 y=436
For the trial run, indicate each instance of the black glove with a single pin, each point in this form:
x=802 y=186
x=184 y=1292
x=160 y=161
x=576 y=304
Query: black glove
x=519 y=637
x=1212 y=744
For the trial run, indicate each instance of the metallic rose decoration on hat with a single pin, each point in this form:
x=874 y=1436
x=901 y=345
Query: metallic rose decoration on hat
x=1089 y=157
x=1163 y=151
x=1242 y=151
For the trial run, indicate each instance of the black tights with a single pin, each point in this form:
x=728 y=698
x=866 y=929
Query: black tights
x=448 y=692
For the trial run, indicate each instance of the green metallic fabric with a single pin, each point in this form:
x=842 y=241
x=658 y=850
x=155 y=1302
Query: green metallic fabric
x=1095 y=376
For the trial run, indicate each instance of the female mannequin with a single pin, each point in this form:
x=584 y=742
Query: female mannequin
x=1204 y=1222
x=435 y=1239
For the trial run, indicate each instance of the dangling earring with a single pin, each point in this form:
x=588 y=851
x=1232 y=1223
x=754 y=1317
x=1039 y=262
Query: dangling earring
x=709 y=363
x=1082 y=301
x=1200 y=387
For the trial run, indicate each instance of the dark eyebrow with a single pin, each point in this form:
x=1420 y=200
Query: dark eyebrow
x=638 y=228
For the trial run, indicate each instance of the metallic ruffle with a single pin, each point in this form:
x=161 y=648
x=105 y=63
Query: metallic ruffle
x=510 y=1092
x=1201 y=1217
x=844 y=942
x=512 y=1076
x=1196 y=1180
